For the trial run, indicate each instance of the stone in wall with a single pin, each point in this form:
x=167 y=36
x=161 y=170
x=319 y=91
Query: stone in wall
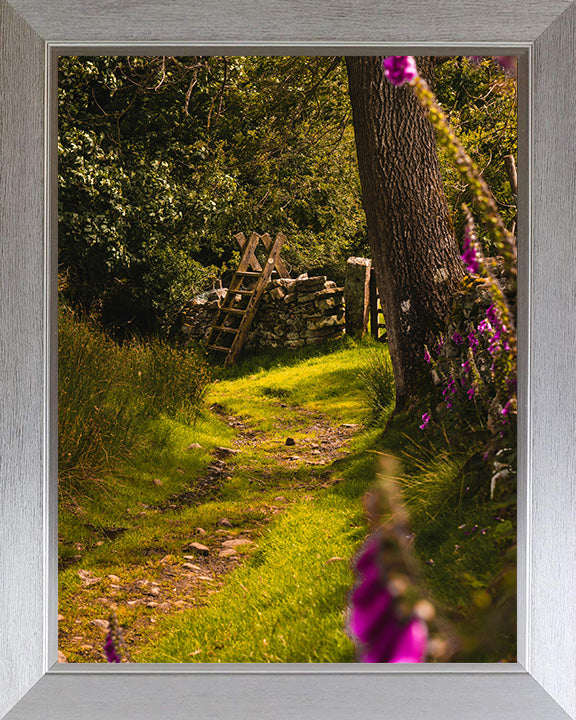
x=293 y=312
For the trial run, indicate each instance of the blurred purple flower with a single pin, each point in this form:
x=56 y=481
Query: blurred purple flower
x=425 y=421
x=382 y=635
x=400 y=69
x=110 y=650
x=470 y=258
x=457 y=338
x=427 y=356
x=508 y=62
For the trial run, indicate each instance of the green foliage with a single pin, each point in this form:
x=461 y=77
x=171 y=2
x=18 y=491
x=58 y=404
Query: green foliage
x=480 y=102
x=107 y=395
x=465 y=541
x=164 y=160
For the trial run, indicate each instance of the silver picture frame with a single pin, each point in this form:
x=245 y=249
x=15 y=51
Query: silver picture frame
x=542 y=685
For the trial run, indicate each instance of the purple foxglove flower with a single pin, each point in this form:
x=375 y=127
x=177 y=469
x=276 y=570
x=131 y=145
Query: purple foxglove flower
x=425 y=421
x=457 y=338
x=427 y=356
x=382 y=635
x=471 y=393
x=470 y=254
x=508 y=62
x=110 y=650
x=506 y=409
x=484 y=326
x=472 y=340
x=470 y=260
x=400 y=69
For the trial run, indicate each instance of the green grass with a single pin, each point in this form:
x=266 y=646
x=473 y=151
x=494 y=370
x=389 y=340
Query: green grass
x=333 y=383
x=287 y=604
x=464 y=540
x=287 y=506
x=110 y=397
x=286 y=599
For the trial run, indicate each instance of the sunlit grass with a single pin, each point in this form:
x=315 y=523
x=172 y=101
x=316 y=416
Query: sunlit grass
x=287 y=604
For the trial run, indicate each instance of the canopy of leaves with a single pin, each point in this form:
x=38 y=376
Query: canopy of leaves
x=480 y=101
x=162 y=160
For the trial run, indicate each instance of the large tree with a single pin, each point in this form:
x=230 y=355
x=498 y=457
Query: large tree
x=418 y=268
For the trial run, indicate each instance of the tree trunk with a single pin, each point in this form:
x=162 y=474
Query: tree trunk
x=414 y=252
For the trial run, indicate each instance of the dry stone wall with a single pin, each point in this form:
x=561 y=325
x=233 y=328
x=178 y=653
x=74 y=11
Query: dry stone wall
x=292 y=313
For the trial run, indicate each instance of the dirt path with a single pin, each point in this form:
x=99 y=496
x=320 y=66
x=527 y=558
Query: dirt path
x=142 y=595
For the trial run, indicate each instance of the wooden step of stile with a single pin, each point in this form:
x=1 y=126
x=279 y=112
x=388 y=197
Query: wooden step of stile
x=220 y=335
x=212 y=341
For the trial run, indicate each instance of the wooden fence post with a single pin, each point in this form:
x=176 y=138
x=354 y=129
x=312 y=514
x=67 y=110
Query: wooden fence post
x=374 y=330
x=356 y=295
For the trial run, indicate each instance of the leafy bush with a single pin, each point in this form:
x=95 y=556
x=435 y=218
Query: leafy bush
x=163 y=160
x=108 y=394
x=479 y=100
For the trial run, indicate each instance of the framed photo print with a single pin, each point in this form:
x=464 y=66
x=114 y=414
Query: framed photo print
x=287 y=427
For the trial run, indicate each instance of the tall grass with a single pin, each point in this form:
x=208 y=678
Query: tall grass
x=377 y=377
x=108 y=394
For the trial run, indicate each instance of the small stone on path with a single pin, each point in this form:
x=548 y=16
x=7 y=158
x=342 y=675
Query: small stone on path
x=88 y=578
x=200 y=531
x=227 y=553
x=157 y=481
x=103 y=625
x=114 y=578
x=236 y=542
x=191 y=566
x=290 y=441
x=225 y=452
x=349 y=425
x=224 y=522
x=194 y=446
x=202 y=549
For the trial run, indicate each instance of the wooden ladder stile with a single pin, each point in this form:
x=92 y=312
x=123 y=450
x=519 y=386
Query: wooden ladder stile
x=225 y=337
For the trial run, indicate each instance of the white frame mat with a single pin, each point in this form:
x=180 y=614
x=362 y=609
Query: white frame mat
x=542 y=685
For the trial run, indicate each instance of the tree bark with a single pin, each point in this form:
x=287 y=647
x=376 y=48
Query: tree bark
x=414 y=252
